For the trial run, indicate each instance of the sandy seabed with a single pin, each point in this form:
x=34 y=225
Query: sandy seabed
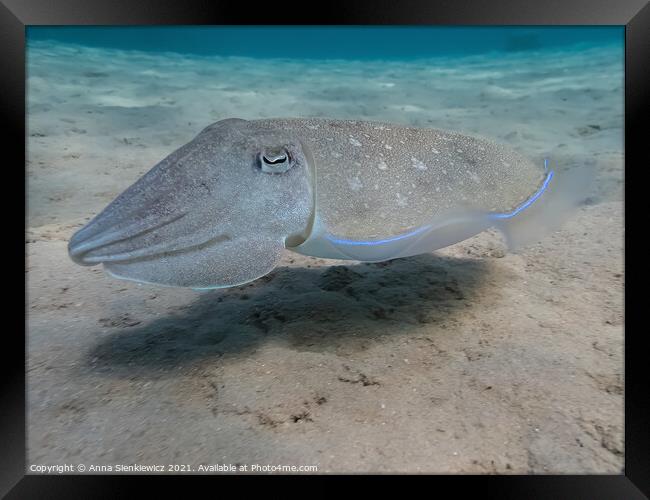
x=467 y=360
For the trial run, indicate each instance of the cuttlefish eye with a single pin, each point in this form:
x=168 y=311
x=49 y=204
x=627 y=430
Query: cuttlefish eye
x=275 y=160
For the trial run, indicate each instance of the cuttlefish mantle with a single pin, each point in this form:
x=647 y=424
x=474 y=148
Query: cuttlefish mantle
x=221 y=210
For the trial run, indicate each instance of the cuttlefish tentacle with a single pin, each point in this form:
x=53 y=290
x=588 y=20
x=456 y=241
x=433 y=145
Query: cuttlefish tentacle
x=221 y=209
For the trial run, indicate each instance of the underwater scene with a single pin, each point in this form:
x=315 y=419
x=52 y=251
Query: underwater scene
x=474 y=358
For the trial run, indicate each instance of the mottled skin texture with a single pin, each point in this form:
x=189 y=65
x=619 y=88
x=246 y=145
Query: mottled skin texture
x=380 y=179
x=214 y=214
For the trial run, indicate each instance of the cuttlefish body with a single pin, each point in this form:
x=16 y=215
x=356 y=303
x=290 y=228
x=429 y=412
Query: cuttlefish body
x=220 y=210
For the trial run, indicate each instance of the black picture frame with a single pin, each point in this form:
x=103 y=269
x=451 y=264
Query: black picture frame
x=16 y=15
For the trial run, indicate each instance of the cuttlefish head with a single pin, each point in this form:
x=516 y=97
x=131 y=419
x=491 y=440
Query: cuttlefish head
x=217 y=212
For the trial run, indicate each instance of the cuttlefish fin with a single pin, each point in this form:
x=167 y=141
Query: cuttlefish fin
x=441 y=231
x=547 y=210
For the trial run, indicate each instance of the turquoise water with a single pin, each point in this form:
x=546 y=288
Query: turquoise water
x=380 y=42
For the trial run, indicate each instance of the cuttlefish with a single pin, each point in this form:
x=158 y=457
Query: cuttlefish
x=220 y=210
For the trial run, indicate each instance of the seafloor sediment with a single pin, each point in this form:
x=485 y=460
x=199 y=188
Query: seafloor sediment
x=471 y=359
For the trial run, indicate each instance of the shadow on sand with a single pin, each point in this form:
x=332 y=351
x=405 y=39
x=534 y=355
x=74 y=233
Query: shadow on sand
x=308 y=309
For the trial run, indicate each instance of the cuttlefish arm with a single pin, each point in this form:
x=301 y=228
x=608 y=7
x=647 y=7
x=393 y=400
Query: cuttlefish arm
x=220 y=210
